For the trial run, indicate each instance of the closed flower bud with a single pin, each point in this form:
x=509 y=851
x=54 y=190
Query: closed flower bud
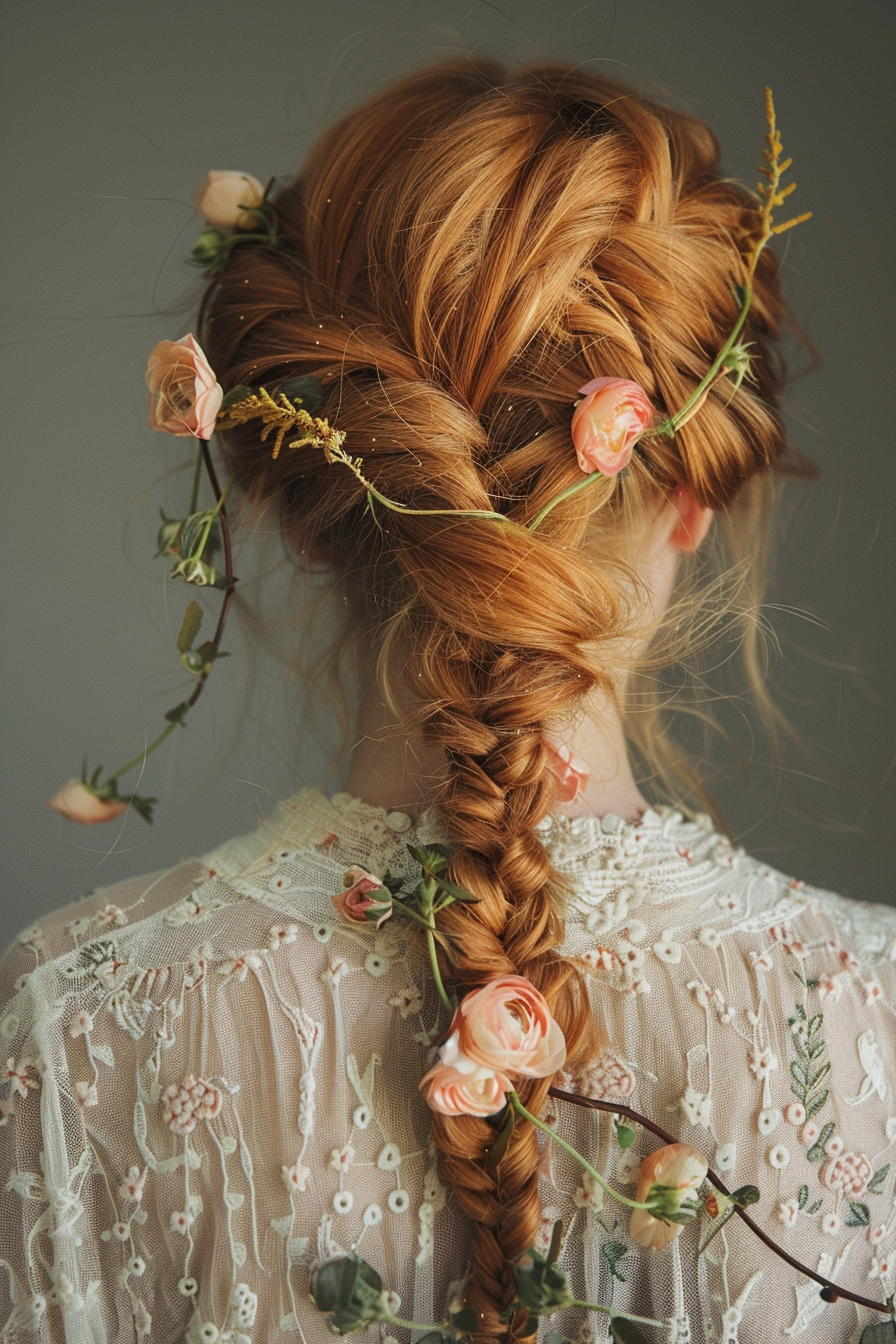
x=668 y=1180
x=75 y=801
x=228 y=200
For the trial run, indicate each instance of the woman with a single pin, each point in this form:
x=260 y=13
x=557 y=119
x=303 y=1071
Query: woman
x=213 y=1092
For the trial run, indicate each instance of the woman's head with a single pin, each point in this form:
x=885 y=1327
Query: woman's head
x=457 y=258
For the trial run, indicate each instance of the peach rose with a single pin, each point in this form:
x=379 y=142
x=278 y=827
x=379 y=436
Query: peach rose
x=671 y=1177
x=75 y=801
x=611 y=416
x=366 y=900
x=184 y=395
x=570 y=773
x=507 y=1026
x=227 y=200
x=465 y=1090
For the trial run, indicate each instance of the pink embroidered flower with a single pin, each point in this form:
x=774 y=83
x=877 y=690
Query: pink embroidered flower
x=849 y=1172
x=342 y=1158
x=295 y=1178
x=86 y=1094
x=228 y=200
x=364 y=900
x=17 y=1074
x=610 y=418
x=82 y=1024
x=830 y=988
x=281 y=934
x=873 y=992
x=75 y=801
x=188 y=1102
x=669 y=1178
x=475 y=1091
x=795 y=1113
x=809 y=1133
x=184 y=395
x=507 y=1026
x=407 y=1001
x=132 y=1185
x=606 y=1076
x=569 y=772
x=111 y=917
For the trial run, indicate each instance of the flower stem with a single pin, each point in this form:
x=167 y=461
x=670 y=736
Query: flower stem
x=615 y=1315
x=595 y=1175
x=194 y=490
x=675 y=422
x=434 y=962
x=412 y=1325
x=564 y=494
x=141 y=756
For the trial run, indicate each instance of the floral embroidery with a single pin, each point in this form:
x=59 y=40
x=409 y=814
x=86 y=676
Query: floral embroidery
x=606 y=1076
x=809 y=1070
x=18 y=1076
x=132 y=1186
x=407 y=1001
x=188 y=1102
x=282 y=934
x=295 y=1177
x=849 y=1172
x=86 y=1094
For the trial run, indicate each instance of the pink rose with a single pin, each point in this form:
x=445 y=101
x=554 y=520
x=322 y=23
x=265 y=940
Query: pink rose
x=671 y=1177
x=228 y=200
x=75 y=801
x=507 y=1026
x=366 y=900
x=468 y=1091
x=570 y=773
x=184 y=395
x=611 y=416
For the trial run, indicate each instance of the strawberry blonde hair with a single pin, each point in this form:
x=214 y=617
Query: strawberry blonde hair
x=456 y=258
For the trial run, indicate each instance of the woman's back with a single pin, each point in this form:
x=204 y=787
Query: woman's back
x=215 y=1084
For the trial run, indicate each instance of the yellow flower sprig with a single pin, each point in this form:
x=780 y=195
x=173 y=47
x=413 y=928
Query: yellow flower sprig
x=280 y=417
x=771 y=193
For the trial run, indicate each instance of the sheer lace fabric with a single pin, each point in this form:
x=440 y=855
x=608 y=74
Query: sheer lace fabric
x=211 y=1082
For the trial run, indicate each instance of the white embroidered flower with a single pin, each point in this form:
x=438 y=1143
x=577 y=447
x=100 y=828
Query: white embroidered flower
x=726 y=1156
x=295 y=1178
x=376 y=965
x=795 y=1113
x=768 y=1120
x=372 y=1216
x=873 y=992
x=667 y=949
x=877 y=1234
x=809 y=1133
x=337 y=968
x=181 y=1220
x=65 y=1291
x=407 y=1001
x=323 y=932
x=78 y=926
x=188 y=1102
x=86 y=1094
x=188 y=1286
x=362 y=1116
x=281 y=883
x=628 y=1165
x=881 y=1266
x=399 y=1201
x=788 y=1212
x=342 y=1158
x=111 y=917
x=132 y=1185
x=343 y=1200
x=778 y=1156
x=710 y=937
x=763 y=961
x=18 y=1076
x=834 y=1146
x=696 y=1106
x=635 y=931
x=136 y=1265
x=589 y=1194
x=281 y=934
x=630 y=956
x=762 y=1062
x=121 y=1230
x=831 y=1224
x=389 y=1158
x=830 y=988
x=82 y=1024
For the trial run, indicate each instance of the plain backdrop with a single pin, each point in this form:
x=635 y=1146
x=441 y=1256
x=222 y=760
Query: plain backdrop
x=113 y=113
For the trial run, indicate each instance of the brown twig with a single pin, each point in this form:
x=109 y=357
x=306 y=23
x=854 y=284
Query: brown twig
x=829 y=1291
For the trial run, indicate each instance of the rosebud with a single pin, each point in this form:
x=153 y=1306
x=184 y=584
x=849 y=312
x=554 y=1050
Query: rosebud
x=229 y=200
x=668 y=1181
x=77 y=802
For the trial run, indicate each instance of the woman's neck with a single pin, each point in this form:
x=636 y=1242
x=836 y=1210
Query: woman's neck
x=392 y=767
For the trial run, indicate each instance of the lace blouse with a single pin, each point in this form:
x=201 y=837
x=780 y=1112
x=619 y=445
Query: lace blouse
x=211 y=1082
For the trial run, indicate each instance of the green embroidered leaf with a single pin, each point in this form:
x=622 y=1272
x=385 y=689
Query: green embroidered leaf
x=816 y=1152
x=815 y=1023
x=798 y=1074
x=816 y=1104
x=814 y=1208
x=613 y=1251
x=859 y=1215
x=803 y=1197
x=816 y=1048
x=876 y=1184
x=819 y=1076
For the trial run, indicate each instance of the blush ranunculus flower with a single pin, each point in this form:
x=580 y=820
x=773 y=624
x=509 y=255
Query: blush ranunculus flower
x=184 y=394
x=507 y=1026
x=612 y=415
x=221 y=196
x=570 y=773
x=672 y=1176
x=365 y=899
x=458 y=1086
x=75 y=801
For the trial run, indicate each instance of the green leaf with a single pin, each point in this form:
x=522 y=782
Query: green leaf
x=859 y=1215
x=306 y=389
x=432 y=1337
x=879 y=1332
x=178 y=714
x=142 y=806
x=458 y=893
x=464 y=1320
x=623 y=1331
x=819 y=1076
x=613 y=1251
x=816 y=1152
x=803 y=1197
x=625 y=1135
x=502 y=1140
x=814 y=1208
x=350 y=1290
x=556 y=1242
x=430 y=858
x=815 y=1105
x=239 y=393
x=745 y=1195
x=798 y=1073
x=541 y=1287
x=876 y=1184
x=189 y=627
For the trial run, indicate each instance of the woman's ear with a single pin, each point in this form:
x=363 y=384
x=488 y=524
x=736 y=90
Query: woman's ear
x=693 y=520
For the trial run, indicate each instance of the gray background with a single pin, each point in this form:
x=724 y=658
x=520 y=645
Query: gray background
x=113 y=114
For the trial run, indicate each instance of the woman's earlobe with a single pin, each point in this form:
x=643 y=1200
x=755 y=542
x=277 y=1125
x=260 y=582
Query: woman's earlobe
x=693 y=521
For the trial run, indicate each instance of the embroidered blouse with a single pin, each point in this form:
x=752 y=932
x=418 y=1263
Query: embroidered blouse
x=211 y=1082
